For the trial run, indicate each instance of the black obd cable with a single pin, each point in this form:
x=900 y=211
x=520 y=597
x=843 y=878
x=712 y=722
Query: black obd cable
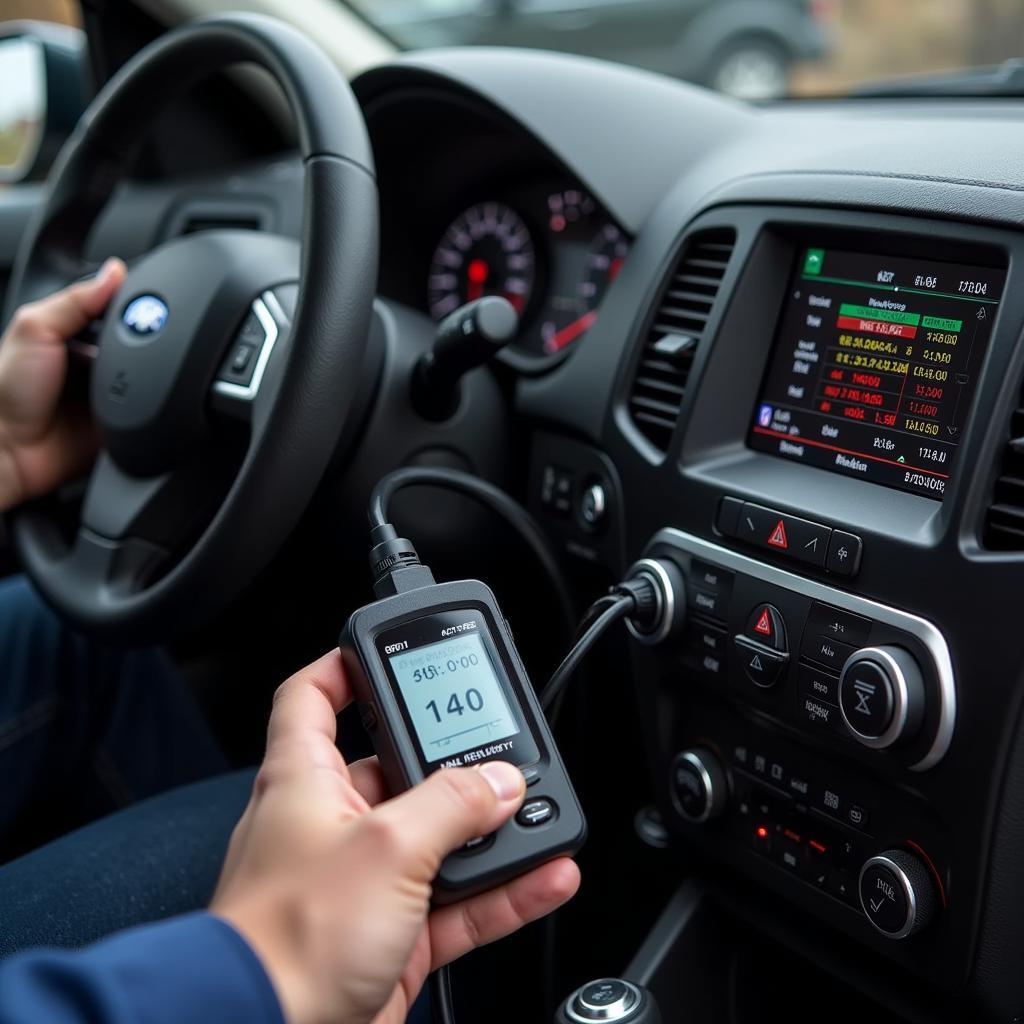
x=650 y=599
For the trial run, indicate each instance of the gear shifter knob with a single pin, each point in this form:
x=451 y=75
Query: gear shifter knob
x=609 y=1000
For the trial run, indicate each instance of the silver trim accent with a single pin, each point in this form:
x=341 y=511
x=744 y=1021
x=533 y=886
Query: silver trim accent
x=247 y=392
x=600 y=500
x=620 y=1010
x=925 y=631
x=901 y=698
x=908 y=890
x=694 y=761
x=666 y=600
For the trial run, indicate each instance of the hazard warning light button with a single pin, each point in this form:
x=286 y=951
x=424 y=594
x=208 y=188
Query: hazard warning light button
x=796 y=538
x=766 y=625
x=761 y=664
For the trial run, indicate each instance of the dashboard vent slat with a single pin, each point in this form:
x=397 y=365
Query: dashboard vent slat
x=1004 y=519
x=675 y=330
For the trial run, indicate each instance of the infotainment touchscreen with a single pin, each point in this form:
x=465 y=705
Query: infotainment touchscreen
x=875 y=366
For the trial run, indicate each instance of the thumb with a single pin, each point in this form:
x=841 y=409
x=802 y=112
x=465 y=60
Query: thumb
x=451 y=807
x=68 y=311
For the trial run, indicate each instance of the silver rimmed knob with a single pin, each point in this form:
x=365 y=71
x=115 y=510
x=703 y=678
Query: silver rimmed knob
x=881 y=696
x=698 y=785
x=897 y=893
x=668 y=590
x=609 y=1001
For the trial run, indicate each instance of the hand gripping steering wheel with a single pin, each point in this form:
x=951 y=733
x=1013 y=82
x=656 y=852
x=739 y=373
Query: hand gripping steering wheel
x=211 y=451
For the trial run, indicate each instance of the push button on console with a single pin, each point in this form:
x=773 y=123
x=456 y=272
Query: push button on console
x=761 y=664
x=827 y=651
x=824 y=620
x=766 y=625
x=798 y=538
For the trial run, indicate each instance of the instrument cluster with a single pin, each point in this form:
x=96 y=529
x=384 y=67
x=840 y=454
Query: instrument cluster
x=549 y=248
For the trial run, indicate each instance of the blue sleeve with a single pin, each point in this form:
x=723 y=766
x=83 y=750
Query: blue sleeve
x=195 y=968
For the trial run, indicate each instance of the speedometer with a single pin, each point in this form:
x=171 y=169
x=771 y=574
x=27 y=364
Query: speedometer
x=487 y=250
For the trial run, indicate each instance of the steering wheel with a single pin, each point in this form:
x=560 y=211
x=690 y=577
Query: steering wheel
x=226 y=365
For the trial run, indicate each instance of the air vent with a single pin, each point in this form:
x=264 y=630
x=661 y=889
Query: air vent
x=675 y=332
x=1004 y=522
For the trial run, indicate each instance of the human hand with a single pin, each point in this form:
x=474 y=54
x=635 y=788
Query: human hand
x=329 y=881
x=43 y=444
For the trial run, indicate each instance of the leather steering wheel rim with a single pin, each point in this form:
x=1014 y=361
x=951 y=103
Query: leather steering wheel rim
x=319 y=367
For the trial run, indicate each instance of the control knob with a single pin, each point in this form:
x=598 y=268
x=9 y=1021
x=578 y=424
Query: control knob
x=897 y=893
x=881 y=696
x=698 y=785
x=611 y=1000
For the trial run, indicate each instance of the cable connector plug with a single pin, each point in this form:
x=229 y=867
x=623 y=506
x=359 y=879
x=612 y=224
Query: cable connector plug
x=658 y=588
x=395 y=564
x=646 y=596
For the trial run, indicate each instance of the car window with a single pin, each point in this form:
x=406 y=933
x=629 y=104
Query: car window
x=22 y=74
x=755 y=51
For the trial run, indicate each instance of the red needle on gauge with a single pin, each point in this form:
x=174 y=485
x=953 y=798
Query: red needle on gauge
x=568 y=334
x=476 y=274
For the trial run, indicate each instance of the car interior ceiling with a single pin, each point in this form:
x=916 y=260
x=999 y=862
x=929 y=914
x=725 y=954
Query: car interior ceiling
x=808 y=528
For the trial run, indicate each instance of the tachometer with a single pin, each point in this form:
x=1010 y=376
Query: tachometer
x=607 y=253
x=571 y=316
x=487 y=250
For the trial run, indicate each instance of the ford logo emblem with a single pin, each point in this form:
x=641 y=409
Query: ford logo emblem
x=145 y=315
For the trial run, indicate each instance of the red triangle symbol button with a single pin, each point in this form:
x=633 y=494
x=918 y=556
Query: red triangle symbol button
x=764 y=624
x=777 y=538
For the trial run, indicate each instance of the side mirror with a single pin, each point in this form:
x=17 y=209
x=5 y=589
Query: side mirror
x=44 y=88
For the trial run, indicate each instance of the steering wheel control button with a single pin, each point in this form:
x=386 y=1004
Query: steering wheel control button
x=766 y=625
x=761 y=664
x=897 y=893
x=538 y=811
x=784 y=534
x=241 y=361
x=844 y=551
x=242 y=370
x=698 y=785
x=881 y=695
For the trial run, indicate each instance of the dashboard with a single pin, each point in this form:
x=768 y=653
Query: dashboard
x=801 y=387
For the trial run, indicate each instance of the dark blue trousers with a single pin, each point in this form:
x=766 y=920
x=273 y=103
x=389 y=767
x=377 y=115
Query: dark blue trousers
x=106 y=759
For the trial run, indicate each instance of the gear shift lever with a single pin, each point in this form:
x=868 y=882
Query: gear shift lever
x=611 y=1001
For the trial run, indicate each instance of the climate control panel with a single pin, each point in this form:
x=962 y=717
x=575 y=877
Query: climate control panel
x=793 y=718
x=838 y=667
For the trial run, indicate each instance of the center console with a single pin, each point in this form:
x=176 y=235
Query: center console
x=808 y=423
x=816 y=670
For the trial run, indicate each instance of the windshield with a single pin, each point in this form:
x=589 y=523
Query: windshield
x=751 y=49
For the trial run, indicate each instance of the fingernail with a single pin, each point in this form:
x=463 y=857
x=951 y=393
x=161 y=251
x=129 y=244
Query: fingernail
x=505 y=779
x=105 y=272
